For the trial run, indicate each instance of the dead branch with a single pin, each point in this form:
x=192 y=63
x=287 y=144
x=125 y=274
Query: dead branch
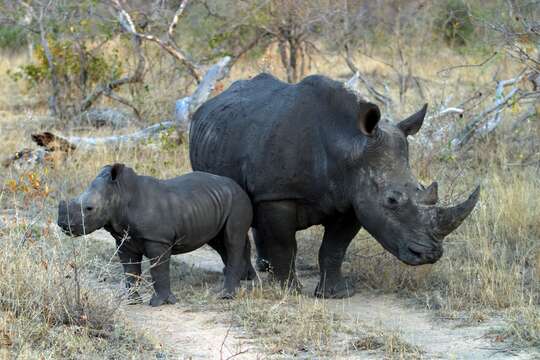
x=124 y=101
x=446 y=111
x=377 y=95
x=531 y=111
x=25 y=158
x=54 y=105
x=491 y=124
x=51 y=143
x=137 y=76
x=498 y=105
x=76 y=142
x=447 y=70
x=107 y=89
x=168 y=44
x=186 y=107
x=175 y=19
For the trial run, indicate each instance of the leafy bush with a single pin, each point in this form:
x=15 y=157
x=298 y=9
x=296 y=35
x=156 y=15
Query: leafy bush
x=75 y=65
x=454 y=23
x=12 y=37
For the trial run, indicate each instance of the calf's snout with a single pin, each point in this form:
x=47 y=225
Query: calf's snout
x=62 y=213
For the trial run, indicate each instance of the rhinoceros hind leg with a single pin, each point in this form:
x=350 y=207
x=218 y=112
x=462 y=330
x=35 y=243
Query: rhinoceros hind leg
x=338 y=234
x=249 y=272
x=158 y=300
x=276 y=228
x=262 y=263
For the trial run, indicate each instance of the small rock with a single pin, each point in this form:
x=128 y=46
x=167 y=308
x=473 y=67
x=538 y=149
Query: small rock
x=104 y=117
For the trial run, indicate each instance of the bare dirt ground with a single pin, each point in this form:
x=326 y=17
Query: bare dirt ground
x=188 y=333
x=436 y=338
x=185 y=334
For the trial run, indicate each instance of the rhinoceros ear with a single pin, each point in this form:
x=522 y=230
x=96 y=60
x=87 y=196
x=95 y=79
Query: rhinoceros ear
x=368 y=118
x=413 y=123
x=116 y=171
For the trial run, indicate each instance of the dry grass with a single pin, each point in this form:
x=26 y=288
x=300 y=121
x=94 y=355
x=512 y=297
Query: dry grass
x=54 y=301
x=287 y=324
x=51 y=306
x=390 y=344
x=524 y=326
x=492 y=263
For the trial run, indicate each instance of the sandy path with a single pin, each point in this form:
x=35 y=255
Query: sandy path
x=192 y=335
x=435 y=337
x=188 y=334
x=208 y=334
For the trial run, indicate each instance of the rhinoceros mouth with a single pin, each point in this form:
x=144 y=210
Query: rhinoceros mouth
x=68 y=231
x=416 y=254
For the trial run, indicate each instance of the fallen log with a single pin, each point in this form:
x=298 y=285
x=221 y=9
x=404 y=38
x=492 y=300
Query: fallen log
x=25 y=158
x=76 y=142
x=184 y=109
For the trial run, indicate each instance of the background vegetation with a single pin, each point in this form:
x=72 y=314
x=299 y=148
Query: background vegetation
x=455 y=55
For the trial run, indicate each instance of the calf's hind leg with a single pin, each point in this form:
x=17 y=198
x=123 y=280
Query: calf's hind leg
x=236 y=244
x=218 y=244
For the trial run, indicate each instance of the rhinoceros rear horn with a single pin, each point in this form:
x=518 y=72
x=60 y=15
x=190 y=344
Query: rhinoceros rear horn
x=448 y=219
x=413 y=123
x=430 y=195
x=368 y=118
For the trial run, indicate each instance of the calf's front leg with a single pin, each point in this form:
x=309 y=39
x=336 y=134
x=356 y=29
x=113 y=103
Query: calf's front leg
x=131 y=262
x=160 y=255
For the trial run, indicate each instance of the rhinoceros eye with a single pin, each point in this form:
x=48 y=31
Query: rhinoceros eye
x=89 y=208
x=394 y=199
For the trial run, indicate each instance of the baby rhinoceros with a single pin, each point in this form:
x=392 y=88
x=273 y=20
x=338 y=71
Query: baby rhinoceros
x=159 y=218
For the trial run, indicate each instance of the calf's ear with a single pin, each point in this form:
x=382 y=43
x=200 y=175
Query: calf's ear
x=116 y=171
x=368 y=118
x=413 y=123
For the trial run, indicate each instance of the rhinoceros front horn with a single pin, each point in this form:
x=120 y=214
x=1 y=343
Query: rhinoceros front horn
x=448 y=219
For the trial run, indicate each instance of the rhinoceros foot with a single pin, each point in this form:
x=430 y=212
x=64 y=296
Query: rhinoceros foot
x=249 y=273
x=158 y=300
x=226 y=294
x=337 y=289
x=262 y=265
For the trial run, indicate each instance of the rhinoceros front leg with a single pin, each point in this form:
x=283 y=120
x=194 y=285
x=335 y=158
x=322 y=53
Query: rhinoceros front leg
x=338 y=234
x=160 y=255
x=276 y=229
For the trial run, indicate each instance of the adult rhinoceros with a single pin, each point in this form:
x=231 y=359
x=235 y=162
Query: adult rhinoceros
x=315 y=153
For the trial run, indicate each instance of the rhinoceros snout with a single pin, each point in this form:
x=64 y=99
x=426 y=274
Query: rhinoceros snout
x=420 y=254
x=63 y=218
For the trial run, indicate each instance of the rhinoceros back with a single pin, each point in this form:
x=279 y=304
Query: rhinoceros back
x=269 y=136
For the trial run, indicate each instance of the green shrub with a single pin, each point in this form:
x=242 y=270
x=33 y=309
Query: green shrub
x=12 y=37
x=454 y=23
